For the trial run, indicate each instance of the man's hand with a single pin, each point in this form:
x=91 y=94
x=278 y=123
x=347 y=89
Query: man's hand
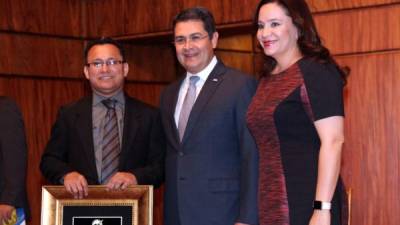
x=121 y=180
x=5 y=213
x=76 y=184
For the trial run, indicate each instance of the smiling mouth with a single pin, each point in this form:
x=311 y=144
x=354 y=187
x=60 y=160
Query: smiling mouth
x=190 y=55
x=105 y=77
x=268 y=43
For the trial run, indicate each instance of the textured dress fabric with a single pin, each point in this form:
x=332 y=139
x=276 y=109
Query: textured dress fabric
x=281 y=119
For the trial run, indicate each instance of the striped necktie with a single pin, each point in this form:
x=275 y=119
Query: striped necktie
x=187 y=105
x=111 y=146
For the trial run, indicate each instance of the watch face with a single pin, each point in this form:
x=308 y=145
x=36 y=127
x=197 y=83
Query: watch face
x=317 y=205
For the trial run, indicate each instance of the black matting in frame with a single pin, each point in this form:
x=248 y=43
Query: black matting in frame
x=97 y=215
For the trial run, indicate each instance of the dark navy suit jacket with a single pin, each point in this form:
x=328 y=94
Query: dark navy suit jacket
x=13 y=156
x=212 y=176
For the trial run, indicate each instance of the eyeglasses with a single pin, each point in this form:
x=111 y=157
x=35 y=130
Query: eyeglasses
x=194 y=38
x=99 y=64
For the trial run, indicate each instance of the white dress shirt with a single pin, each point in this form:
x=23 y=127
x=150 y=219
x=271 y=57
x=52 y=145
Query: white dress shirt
x=199 y=85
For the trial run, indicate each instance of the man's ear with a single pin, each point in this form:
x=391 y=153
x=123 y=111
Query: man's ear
x=86 y=72
x=214 y=39
x=126 y=69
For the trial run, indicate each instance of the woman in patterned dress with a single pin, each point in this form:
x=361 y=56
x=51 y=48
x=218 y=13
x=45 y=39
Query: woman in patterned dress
x=296 y=118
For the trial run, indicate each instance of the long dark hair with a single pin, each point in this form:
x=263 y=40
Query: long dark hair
x=309 y=41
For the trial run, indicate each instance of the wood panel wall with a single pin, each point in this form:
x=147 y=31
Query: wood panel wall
x=62 y=18
x=41 y=44
x=371 y=155
x=130 y=18
x=372 y=148
x=41 y=47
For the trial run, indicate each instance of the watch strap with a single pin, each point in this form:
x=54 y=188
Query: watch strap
x=320 y=205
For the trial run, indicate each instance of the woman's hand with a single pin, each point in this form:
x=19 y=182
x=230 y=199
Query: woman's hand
x=321 y=217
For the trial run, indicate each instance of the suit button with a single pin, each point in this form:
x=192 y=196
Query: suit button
x=181 y=154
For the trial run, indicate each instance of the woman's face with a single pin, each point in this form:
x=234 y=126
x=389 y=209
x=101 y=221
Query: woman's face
x=276 y=32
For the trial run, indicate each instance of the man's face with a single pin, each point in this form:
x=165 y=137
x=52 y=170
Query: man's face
x=194 y=47
x=105 y=70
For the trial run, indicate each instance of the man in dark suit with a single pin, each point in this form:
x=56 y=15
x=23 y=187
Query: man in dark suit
x=12 y=160
x=212 y=160
x=107 y=138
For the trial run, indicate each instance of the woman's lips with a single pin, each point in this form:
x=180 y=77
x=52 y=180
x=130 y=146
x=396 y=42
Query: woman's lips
x=268 y=43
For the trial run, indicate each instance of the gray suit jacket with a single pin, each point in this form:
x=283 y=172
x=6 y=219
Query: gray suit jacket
x=212 y=176
x=13 y=156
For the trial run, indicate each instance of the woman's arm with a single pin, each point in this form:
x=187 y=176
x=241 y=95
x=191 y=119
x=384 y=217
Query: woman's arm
x=331 y=134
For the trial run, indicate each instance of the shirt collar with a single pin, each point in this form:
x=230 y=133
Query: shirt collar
x=119 y=96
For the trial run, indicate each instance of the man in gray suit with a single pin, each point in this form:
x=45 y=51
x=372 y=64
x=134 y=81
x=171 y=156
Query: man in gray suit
x=212 y=160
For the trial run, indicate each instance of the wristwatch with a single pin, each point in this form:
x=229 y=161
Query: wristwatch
x=320 y=205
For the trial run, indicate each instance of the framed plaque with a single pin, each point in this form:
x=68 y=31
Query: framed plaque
x=131 y=206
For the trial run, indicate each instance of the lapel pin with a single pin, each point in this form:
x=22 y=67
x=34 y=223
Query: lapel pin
x=215 y=79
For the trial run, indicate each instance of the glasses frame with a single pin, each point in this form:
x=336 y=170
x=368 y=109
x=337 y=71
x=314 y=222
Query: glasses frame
x=193 y=38
x=99 y=64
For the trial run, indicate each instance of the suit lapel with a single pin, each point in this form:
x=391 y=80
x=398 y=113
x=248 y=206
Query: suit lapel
x=210 y=86
x=131 y=122
x=171 y=100
x=85 y=131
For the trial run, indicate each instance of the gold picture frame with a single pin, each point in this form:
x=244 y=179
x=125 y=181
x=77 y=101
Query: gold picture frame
x=58 y=204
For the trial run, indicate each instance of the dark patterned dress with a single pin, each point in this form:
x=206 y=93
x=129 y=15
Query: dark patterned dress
x=281 y=119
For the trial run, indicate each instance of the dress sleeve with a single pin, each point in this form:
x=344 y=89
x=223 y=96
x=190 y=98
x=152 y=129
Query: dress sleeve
x=324 y=89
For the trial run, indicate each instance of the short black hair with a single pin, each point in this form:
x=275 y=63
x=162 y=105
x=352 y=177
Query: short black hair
x=104 y=41
x=197 y=13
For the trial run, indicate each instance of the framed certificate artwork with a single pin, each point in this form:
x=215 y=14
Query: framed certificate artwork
x=131 y=206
